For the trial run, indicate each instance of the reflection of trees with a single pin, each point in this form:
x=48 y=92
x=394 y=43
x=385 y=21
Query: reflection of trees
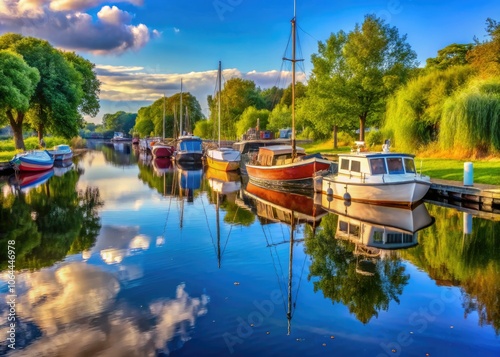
x=164 y=184
x=471 y=261
x=118 y=157
x=234 y=213
x=334 y=263
x=50 y=221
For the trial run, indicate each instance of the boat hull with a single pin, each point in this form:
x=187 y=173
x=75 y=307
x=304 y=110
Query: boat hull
x=189 y=157
x=33 y=161
x=405 y=192
x=295 y=175
x=162 y=150
x=223 y=159
x=222 y=165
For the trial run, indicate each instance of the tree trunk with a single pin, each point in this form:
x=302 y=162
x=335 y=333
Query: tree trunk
x=335 y=141
x=17 y=128
x=362 y=121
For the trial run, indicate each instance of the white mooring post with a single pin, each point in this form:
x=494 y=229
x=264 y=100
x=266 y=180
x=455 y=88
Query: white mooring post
x=468 y=174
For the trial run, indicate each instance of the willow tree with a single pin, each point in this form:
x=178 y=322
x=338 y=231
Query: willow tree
x=471 y=118
x=359 y=70
x=413 y=116
x=18 y=82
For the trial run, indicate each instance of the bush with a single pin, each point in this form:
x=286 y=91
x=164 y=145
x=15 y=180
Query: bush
x=78 y=143
x=374 y=138
x=345 y=139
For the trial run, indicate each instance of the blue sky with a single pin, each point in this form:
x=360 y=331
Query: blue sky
x=142 y=48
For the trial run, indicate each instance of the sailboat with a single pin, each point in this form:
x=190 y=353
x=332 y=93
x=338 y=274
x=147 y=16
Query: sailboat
x=225 y=159
x=287 y=166
x=161 y=148
x=189 y=150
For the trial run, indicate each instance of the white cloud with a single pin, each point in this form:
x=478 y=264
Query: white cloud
x=65 y=24
x=177 y=30
x=113 y=15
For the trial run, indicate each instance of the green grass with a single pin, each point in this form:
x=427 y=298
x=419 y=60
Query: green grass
x=7 y=148
x=485 y=171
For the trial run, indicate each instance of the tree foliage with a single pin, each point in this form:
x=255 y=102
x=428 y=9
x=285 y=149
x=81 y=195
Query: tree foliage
x=485 y=56
x=149 y=119
x=356 y=72
x=471 y=118
x=452 y=55
x=119 y=121
x=249 y=119
x=17 y=84
x=414 y=113
x=67 y=88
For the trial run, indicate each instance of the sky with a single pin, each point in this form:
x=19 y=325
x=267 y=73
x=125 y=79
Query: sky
x=143 y=48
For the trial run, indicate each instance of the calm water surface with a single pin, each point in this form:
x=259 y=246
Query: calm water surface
x=119 y=255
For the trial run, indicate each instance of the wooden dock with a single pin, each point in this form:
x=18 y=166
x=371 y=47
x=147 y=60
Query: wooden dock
x=479 y=197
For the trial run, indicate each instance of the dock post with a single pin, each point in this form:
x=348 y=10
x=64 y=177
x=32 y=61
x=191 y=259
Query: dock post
x=468 y=174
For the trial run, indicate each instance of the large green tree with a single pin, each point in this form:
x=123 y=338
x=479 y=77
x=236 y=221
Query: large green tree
x=485 y=56
x=17 y=84
x=67 y=88
x=119 y=121
x=452 y=55
x=359 y=70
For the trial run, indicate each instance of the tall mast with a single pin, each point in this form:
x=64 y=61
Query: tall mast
x=219 y=80
x=294 y=151
x=181 y=119
x=163 y=116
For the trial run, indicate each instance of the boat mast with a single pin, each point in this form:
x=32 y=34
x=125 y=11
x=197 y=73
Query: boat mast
x=293 y=60
x=180 y=116
x=163 y=117
x=219 y=80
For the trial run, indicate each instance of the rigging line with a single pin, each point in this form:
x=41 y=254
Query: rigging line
x=300 y=281
x=275 y=270
x=230 y=229
x=208 y=225
x=166 y=218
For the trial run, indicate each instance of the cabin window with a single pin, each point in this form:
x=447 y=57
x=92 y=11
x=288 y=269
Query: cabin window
x=343 y=226
x=399 y=238
x=344 y=164
x=378 y=166
x=395 y=165
x=378 y=237
x=410 y=165
x=355 y=166
x=354 y=230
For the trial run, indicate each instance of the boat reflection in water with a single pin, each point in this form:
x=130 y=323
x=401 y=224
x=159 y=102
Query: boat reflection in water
x=189 y=180
x=377 y=231
x=24 y=181
x=292 y=209
x=162 y=165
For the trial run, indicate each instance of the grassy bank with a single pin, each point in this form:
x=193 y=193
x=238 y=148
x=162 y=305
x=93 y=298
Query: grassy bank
x=486 y=170
x=8 y=150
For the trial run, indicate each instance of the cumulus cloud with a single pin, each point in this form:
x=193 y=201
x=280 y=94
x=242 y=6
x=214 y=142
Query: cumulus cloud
x=66 y=25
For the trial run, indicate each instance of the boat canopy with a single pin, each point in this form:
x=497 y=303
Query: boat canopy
x=191 y=144
x=278 y=154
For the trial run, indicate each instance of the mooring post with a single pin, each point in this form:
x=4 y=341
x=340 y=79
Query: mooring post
x=468 y=174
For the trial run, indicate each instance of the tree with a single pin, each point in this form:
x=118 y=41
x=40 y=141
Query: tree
x=119 y=121
x=485 y=56
x=238 y=94
x=17 y=84
x=66 y=88
x=271 y=97
x=249 y=119
x=361 y=69
x=452 y=55
x=280 y=118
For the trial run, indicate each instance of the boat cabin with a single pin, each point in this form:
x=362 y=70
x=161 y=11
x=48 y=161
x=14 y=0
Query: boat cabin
x=377 y=164
x=277 y=155
x=189 y=144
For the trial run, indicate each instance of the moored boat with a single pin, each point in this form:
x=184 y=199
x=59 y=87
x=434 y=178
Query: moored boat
x=27 y=180
x=287 y=166
x=35 y=160
x=276 y=166
x=385 y=178
x=189 y=149
x=162 y=149
x=61 y=152
x=225 y=159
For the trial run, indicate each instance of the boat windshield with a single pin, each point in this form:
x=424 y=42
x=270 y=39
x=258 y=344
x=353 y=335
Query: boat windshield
x=191 y=145
x=378 y=166
x=409 y=165
x=395 y=165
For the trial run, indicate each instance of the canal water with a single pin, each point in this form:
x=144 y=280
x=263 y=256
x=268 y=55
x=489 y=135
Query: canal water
x=118 y=254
